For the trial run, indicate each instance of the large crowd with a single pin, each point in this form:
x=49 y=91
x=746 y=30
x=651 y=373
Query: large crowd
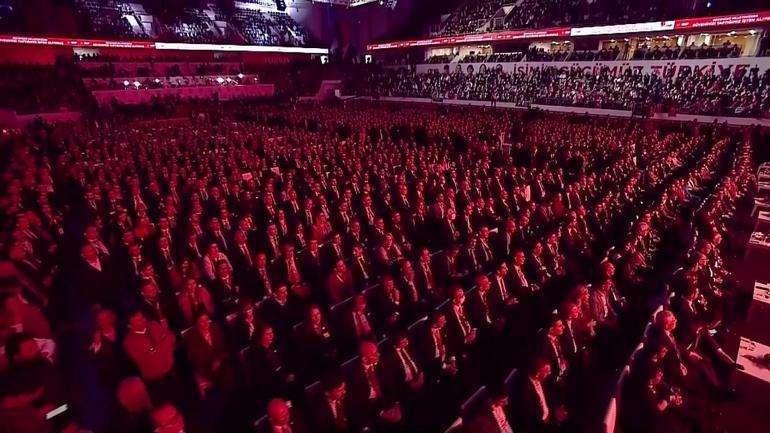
x=745 y=93
x=30 y=89
x=125 y=20
x=475 y=16
x=363 y=268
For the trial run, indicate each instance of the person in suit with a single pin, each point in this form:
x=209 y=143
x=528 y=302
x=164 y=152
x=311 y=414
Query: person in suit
x=470 y=262
x=339 y=284
x=480 y=309
x=356 y=235
x=243 y=261
x=601 y=306
x=282 y=419
x=573 y=340
x=193 y=298
x=650 y=406
x=361 y=268
x=492 y=417
x=427 y=284
x=537 y=268
x=217 y=235
x=551 y=348
x=271 y=243
x=210 y=260
x=504 y=242
x=150 y=346
x=263 y=279
x=281 y=312
x=535 y=410
x=272 y=373
x=450 y=268
x=521 y=286
x=95 y=280
x=331 y=410
x=374 y=403
x=333 y=252
x=404 y=368
x=159 y=307
x=449 y=233
x=387 y=253
x=317 y=341
x=357 y=323
x=500 y=298
x=312 y=266
x=287 y=271
x=227 y=292
x=244 y=329
x=192 y=248
x=484 y=248
x=207 y=351
x=105 y=348
x=388 y=304
x=460 y=332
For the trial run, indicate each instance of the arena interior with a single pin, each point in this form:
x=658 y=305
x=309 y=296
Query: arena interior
x=375 y=216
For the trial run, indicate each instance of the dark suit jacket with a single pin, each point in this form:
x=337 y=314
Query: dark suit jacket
x=280 y=317
x=269 y=367
x=226 y=295
x=201 y=354
x=454 y=331
x=504 y=245
x=479 y=310
x=366 y=410
x=362 y=275
x=526 y=412
x=168 y=307
x=98 y=287
x=338 y=289
x=395 y=368
x=323 y=418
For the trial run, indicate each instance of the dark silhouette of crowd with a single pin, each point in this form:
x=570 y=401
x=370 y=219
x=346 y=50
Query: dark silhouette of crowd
x=360 y=268
x=41 y=89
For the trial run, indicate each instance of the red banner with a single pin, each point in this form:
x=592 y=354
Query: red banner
x=98 y=43
x=725 y=20
x=71 y=42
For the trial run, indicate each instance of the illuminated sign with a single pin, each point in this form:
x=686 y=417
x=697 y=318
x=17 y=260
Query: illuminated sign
x=735 y=21
x=623 y=29
x=96 y=43
x=728 y=20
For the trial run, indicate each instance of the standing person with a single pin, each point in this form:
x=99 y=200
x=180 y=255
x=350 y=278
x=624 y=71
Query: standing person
x=150 y=346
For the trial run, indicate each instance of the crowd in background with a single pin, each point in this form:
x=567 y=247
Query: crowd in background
x=744 y=93
x=206 y=22
x=350 y=269
x=473 y=16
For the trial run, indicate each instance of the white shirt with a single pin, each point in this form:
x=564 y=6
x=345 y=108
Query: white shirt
x=501 y=419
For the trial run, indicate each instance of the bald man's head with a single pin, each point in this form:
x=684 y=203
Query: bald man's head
x=167 y=419
x=278 y=412
x=368 y=353
x=666 y=320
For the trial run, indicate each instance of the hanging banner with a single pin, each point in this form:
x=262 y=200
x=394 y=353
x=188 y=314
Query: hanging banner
x=660 y=67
